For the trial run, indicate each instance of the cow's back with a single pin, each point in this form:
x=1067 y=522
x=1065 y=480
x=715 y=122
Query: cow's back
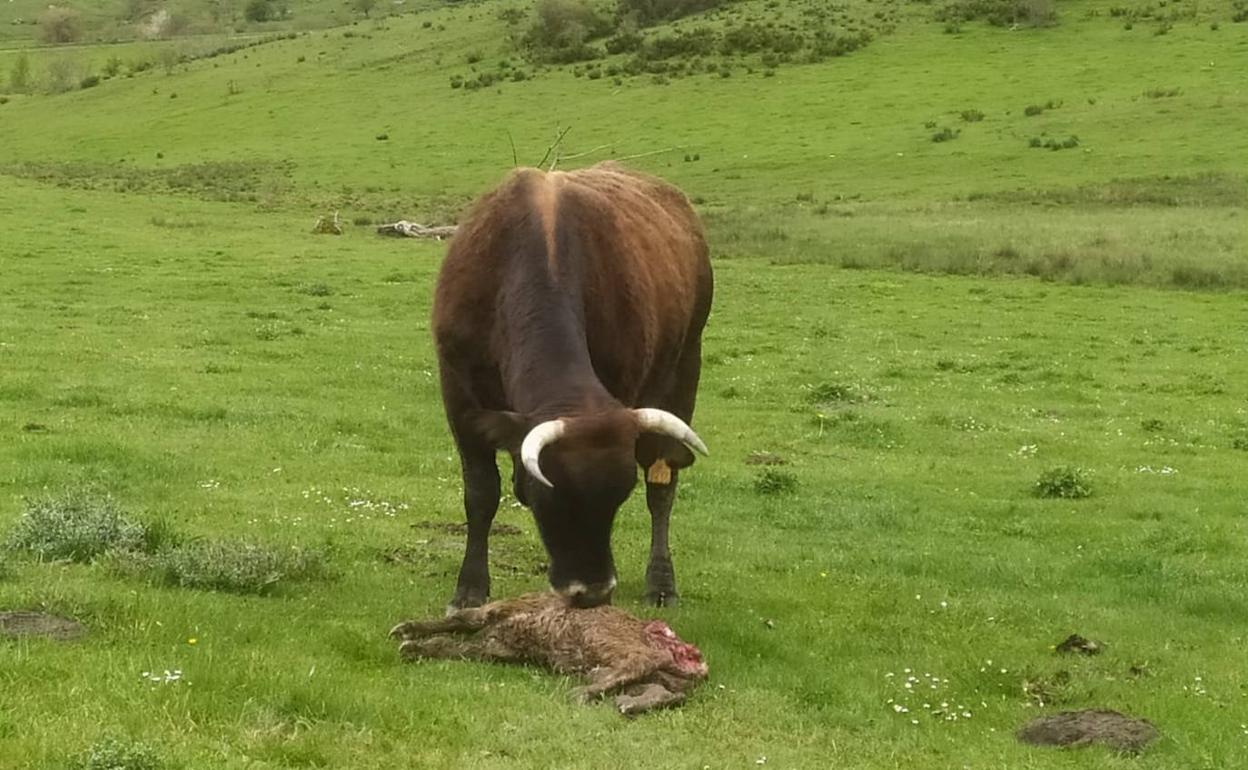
x=626 y=249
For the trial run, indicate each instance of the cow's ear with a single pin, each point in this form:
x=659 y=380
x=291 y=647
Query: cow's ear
x=504 y=430
x=652 y=447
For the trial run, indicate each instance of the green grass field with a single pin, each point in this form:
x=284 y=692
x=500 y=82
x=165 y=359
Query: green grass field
x=920 y=329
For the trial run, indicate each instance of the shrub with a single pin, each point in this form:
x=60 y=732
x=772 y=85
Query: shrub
x=117 y=754
x=78 y=525
x=262 y=10
x=649 y=12
x=945 y=134
x=60 y=25
x=699 y=41
x=771 y=481
x=232 y=567
x=19 y=75
x=830 y=45
x=753 y=38
x=90 y=81
x=561 y=30
x=1065 y=482
x=971 y=116
x=1001 y=13
x=624 y=41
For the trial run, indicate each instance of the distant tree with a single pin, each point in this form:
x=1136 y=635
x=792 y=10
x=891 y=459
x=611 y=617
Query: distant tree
x=562 y=28
x=259 y=10
x=365 y=6
x=19 y=76
x=63 y=75
x=59 y=25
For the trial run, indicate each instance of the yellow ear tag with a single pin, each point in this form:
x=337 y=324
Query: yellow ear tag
x=659 y=472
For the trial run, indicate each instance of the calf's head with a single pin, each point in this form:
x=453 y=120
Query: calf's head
x=577 y=472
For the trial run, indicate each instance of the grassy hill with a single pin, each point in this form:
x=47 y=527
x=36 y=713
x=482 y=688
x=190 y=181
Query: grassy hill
x=364 y=120
x=896 y=318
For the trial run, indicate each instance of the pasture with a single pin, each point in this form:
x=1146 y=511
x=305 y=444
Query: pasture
x=917 y=332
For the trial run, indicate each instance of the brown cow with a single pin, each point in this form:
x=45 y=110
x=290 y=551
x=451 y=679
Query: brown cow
x=568 y=318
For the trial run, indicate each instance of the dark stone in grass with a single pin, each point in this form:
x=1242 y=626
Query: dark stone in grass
x=1076 y=643
x=18 y=624
x=1081 y=728
x=764 y=458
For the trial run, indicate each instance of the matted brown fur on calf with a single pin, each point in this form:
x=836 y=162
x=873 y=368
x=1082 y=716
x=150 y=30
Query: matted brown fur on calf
x=642 y=662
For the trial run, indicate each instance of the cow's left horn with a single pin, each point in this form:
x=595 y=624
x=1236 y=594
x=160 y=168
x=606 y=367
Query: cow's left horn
x=531 y=450
x=668 y=424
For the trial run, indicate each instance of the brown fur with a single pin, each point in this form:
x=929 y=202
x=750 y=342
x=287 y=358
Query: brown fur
x=642 y=661
x=576 y=295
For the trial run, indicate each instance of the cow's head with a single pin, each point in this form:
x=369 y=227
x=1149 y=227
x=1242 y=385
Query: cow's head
x=577 y=472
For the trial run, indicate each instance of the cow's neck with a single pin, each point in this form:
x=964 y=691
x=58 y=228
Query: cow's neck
x=550 y=372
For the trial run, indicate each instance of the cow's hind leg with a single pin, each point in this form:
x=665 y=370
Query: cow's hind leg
x=481 y=496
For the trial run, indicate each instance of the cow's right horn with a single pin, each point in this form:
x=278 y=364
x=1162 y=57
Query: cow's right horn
x=668 y=424
x=531 y=450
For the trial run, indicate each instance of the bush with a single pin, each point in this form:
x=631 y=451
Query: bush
x=945 y=134
x=19 y=75
x=1066 y=482
x=649 y=12
x=228 y=566
x=562 y=29
x=971 y=116
x=260 y=10
x=79 y=525
x=829 y=45
x=60 y=25
x=1001 y=13
x=90 y=81
x=774 y=482
x=697 y=42
x=116 y=754
x=754 y=38
x=625 y=41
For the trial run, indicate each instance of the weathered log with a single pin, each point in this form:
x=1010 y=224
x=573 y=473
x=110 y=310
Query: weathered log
x=406 y=229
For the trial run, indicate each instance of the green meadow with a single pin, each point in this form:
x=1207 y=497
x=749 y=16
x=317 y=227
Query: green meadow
x=964 y=397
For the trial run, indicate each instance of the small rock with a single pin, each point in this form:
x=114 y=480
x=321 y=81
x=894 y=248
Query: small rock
x=1076 y=643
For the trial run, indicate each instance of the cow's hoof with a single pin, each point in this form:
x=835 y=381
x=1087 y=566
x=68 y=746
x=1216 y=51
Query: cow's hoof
x=662 y=597
x=466 y=598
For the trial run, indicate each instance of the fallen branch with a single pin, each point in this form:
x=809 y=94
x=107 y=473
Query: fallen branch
x=405 y=229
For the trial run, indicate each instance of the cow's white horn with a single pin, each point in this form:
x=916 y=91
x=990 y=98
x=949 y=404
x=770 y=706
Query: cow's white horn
x=542 y=434
x=668 y=424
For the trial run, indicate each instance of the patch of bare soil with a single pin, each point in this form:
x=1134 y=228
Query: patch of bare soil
x=1081 y=728
x=764 y=458
x=19 y=624
x=460 y=528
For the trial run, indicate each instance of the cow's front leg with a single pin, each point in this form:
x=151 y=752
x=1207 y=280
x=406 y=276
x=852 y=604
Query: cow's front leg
x=481 y=496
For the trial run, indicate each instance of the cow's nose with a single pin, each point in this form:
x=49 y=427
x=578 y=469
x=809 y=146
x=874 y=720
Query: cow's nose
x=580 y=594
